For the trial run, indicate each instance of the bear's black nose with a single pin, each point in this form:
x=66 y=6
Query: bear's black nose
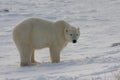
x=74 y=41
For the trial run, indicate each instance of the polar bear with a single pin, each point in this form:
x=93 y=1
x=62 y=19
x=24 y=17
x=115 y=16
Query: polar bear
x=35 y=33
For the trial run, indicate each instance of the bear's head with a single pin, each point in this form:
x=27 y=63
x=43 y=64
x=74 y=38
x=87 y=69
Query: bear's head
x=71 y=34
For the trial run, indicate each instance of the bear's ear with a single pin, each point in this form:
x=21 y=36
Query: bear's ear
x=66 y=30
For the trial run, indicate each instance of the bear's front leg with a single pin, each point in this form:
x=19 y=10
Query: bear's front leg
x=55 y=55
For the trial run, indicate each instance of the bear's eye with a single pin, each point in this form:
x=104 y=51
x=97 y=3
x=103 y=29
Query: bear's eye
x=76 y=34
x=70 y=34
x=66 y=30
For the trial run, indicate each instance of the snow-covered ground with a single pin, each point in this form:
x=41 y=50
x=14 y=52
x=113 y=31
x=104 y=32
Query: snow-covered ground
x=92 y=58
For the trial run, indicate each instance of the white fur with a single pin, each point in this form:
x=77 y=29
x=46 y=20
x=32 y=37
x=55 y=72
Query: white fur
x=37 y=33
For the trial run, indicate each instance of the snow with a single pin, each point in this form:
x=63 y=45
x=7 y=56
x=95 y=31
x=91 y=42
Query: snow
x=92 y=58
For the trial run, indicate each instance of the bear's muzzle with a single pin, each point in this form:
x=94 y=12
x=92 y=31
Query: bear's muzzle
x=74 y=41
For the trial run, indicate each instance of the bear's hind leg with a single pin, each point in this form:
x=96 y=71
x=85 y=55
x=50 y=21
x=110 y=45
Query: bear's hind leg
x=25 y=56
x=33 y=58
x=25 y=53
